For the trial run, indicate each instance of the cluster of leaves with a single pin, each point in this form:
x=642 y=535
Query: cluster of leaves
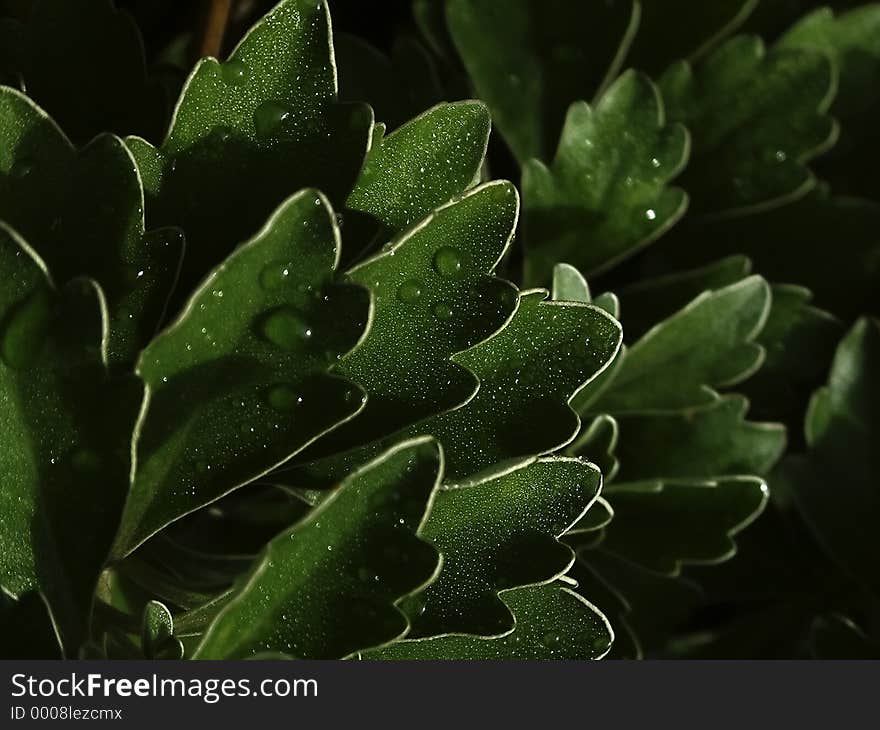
x=295 y=380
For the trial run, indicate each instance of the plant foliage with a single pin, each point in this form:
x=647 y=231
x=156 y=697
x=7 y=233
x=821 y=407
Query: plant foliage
x=283 y=373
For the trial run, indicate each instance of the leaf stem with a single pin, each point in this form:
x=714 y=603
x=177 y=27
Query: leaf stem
x=216 y=19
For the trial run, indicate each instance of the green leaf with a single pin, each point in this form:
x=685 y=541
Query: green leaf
x=674 y=29
x=518 y=411
x=606 y=194
x=569 y=285
x=327 y=587
x=708 y=344
x=652 y=300
x=664 y=525
x=852 y=40
x=157 y=633
x=241 y=380
x=75 y=56
x=55 y=195
x=530 y=59
x=66 y=429
x=251 y=131
x=435 y=294
x=757 y=117
x=835 y=486
x=552 y=622
x=420 y=166
x=495 y=533
x=599 y=442
x=696 y=443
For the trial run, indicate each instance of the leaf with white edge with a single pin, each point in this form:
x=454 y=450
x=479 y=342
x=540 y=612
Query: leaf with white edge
x=65 y=455
x=249 y=132
x=528 y=373
x=498 y=532
x=664 y=525
x=420 y=166
x=434 y=294
x=852 y=40
x=599 y=515
x=598 y=443
x=708 y=344
x=606 y=194
x=696 y=443
x=157 y=633
x=835 y=486
x=674 y=29
x=757 y=118
x=328 y=587
x=569 y=285
x=75 y=56
x=54 y=195
x=241 y=381
x=652 y=300
x=552 y=622
x=537 y=60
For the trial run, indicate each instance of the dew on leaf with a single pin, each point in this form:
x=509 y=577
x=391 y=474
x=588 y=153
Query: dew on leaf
x=410 y=291
x=269 y=118
x=283 y=398
x=275 y=274
x=442 y=311
x=286 y=328
x=235 y=73
x=447 y=261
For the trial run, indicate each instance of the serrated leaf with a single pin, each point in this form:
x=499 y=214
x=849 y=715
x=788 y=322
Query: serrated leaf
x=606 y=194
x=696 y=443
x=594 y=519
x=569 y=285
x=669 y=368
x=496 y=533
x=241 y=380
x=536 y=61
x=598 y=442
x=664 y=525
x=756 y=117
x=652 y=300
x=251 y=131
x=75 y=56
x=552 y=622
x=66 y=427
x=435 y=294
x=673 y=29
x=528 y=372
x=55 y=195
x=327 y=587
x=419 y=167
x=835 y=486
x=852 y=40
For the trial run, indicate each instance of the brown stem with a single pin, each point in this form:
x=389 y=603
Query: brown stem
x=216 y=16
